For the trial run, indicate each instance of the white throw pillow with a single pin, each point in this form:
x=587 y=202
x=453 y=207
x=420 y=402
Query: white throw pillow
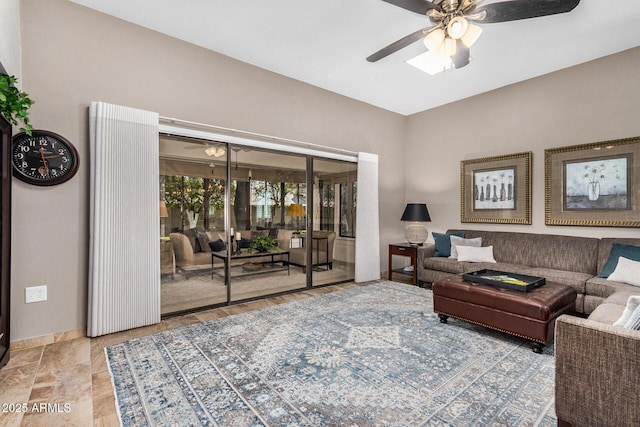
x=473 y=254
x=634 y=320
x=455 y=240
x=627 y=271
x=633 y=303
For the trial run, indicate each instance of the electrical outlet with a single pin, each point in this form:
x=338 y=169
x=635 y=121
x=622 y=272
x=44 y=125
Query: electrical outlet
x=35 y=294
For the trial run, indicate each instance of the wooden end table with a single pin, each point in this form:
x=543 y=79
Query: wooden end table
x=404 y=249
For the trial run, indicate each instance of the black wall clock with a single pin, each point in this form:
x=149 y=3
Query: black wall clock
x=43 y=158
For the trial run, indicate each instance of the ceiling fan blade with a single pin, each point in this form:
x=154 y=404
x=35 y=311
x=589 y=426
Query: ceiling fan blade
x=417 y=6
x=468 y=6
x=524 y=9
x=477 y=16
x=461 y=57
x=399 y=44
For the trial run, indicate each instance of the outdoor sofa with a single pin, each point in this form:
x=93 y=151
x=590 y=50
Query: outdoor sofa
x=193 y=251
x=192 y=248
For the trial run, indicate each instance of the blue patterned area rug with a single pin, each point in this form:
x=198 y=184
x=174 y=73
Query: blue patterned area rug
x=374 y=355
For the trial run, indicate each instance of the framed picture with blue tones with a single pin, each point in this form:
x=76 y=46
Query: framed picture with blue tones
x=496 y=189
x=593 y=184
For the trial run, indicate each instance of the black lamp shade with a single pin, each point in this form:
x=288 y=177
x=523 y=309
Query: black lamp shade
x=416 y=212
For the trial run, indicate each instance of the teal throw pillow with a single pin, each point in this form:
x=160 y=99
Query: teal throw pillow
x=619 y=250
x=443 y=243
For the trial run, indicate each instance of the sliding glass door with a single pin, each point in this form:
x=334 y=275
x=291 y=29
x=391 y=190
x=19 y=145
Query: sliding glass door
x=334 y=213
x=192 y=205
x=239 y=223
x=267 y=213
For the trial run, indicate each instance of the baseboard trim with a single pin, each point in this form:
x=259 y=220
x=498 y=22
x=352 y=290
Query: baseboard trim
x=48 y=339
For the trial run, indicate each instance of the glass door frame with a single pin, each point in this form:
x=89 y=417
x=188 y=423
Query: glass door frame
x=228 y=218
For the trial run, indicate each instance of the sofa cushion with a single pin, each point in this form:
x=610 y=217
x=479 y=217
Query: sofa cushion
x=445 y=264
x=443 y=243
x=607 y=313
x=455 y=241
x=244 y=234
x=284 y=238
x=569 y=278
x=600 y=287
x=620 y=297
x=259 y=233
x=216 y=235
x=193 y=239
x=591 y=303
x=619 y=250
x=203 y=240
x=202 y=258
x=627 y=271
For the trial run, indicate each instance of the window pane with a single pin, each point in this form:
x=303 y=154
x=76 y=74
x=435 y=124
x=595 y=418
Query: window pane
x=266 y=184
x=192 y=195
x=327 y=205
x=348 y=209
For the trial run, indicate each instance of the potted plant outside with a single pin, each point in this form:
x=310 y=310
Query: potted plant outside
x=264 y=244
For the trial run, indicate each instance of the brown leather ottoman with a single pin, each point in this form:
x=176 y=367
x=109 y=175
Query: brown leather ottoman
x=530 y=315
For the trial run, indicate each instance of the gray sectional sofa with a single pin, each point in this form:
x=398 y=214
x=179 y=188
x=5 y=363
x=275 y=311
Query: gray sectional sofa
x=572 y=261
x=597 y=364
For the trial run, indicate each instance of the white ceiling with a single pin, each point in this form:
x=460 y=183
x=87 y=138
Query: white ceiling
x=325 y=43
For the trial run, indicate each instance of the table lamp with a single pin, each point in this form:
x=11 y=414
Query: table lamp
x=296 y=210
x=416 y=233
x=164 y=213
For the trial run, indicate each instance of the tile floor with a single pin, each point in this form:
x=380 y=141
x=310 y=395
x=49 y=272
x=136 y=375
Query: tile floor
x=68 y=383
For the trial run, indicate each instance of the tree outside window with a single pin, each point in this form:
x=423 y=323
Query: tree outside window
x=189 y=195
x=348 y=193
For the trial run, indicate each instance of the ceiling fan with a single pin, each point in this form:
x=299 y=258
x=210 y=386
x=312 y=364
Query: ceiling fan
x=452 y=31
x=211 y=150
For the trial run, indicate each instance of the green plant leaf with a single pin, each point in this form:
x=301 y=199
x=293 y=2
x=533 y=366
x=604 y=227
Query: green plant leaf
x=14 y=104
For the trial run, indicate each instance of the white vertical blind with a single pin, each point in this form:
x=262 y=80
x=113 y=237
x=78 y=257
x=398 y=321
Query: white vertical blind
x=367 y=220
x=124 y=254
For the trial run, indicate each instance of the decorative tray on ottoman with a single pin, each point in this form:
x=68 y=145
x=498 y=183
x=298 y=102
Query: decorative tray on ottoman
x=519 y=282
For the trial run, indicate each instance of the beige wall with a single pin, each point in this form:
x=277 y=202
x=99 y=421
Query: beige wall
x=595 y=101
x=87 y=56
x=10 y=37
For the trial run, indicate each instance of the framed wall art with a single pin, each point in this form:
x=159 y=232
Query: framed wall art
x=595 y=184
x=496 y=189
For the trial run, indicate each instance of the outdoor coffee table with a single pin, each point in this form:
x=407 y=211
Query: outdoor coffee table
x=269 y=267
x=529 y=315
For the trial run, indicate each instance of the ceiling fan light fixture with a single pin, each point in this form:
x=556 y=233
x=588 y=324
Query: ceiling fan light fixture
x=454 y=17
x=449 y=47
x=433 y=41
x=471 y=36
x=215 y=151
x=457 y=27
